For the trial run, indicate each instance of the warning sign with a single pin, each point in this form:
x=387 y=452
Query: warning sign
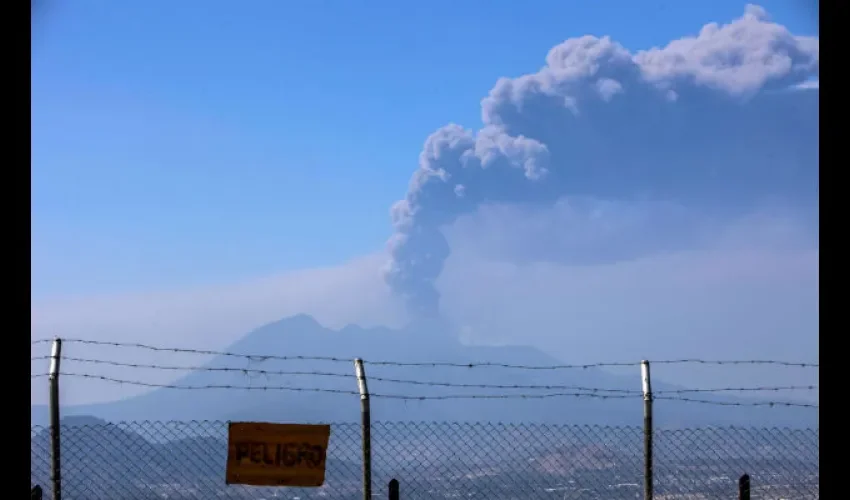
x=262 y=454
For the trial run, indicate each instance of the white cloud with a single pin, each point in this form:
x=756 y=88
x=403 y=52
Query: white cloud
x=808 y=85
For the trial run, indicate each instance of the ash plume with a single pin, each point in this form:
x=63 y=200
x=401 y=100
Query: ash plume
x=722 y=117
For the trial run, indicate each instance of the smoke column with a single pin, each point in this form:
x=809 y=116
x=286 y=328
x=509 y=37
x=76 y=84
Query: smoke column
x=688 y=122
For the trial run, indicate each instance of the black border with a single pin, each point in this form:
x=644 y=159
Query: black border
x=833 y=15
x=38 y=10
x=25 y=68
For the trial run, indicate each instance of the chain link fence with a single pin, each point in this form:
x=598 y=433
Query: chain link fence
x=186 y=460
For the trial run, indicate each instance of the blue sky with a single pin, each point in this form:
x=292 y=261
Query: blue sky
x=203 y=143
x=202 y=169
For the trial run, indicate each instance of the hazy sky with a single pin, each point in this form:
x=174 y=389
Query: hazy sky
x=650 y=191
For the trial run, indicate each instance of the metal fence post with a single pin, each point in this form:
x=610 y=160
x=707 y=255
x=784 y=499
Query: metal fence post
x=55 y=462
x=647 y=429
x=744 y=487
x=366 y=427
x=394 y=489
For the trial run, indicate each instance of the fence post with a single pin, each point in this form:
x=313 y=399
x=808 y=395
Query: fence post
x=55 y=462
x=366 y=427
x=744 y=487
x=647 y=429
x=393 y=489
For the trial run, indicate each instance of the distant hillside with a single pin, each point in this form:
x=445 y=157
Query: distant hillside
x=301 y=335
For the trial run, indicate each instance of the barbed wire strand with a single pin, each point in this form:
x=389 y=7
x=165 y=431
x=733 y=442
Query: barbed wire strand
x=733 y=403
x=425 y=397
x=204 y=352
x=267 y=357
x=684 y=361
x=340 y=391
x=593 y=365
x=262 y=357
x=742 y=389
x=249 y=371
x=431 y=383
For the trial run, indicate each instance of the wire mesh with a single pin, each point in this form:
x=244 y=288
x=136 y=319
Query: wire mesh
x=781 y=463
x=186 y=460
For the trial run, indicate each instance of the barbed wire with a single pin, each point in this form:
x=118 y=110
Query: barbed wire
x=740 y=403
x=433 y=364
x=698 y=361
x=590 y=365
x=266 y=357
x=430 y=383
x=337 y=391
x=743 y=389
x=491 y=364
x=423 y=397
x=447 y=384
x=205 y=352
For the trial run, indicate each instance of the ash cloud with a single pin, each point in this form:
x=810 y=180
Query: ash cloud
x=716 y=121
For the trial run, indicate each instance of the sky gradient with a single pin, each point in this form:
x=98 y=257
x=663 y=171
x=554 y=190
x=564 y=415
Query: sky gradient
x=203 y=169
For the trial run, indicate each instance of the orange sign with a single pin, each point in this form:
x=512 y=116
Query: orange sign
x=261 y=454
